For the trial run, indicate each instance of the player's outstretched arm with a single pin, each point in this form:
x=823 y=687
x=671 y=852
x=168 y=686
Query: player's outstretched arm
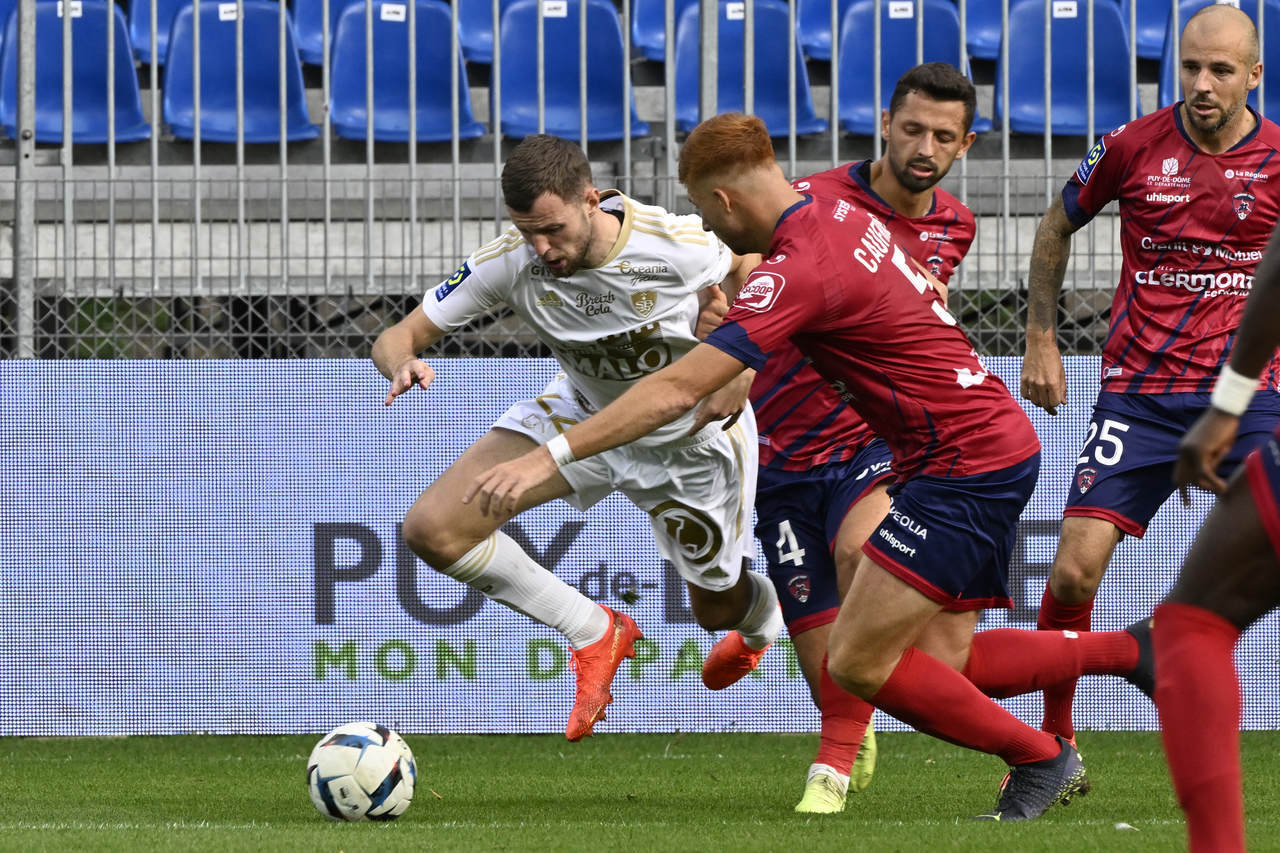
x=1044 y=381
x=1211 y=437
x=656 y=400
x=395 y=353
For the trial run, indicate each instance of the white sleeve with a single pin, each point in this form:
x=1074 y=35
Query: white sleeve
x=706 y=265
x=482 y=282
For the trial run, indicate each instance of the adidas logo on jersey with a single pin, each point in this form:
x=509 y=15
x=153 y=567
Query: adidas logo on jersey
x=550 y=300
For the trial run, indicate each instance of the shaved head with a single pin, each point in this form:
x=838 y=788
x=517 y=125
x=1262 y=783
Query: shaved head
x=1225 y=25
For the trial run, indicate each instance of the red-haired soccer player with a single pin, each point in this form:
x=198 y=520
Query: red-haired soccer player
x=836 y=284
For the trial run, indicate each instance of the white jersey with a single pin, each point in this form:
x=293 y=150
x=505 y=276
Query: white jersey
x=607 y=326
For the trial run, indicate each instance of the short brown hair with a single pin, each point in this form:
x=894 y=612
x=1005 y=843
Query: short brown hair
x=723 y=143
x=544 y=164
x=939 y=81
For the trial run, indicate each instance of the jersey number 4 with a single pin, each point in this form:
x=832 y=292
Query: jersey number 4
x=793 y=553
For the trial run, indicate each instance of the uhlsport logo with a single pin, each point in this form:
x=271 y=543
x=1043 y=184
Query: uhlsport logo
x=760 y=292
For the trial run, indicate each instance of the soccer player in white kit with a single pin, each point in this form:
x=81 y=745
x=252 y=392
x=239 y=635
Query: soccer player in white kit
x=612 y=287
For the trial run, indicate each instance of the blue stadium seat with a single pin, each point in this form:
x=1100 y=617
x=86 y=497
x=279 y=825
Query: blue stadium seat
x=308 y=21
x=649 y=26
x=772 y=39
x=1112 y=93
x=1152 y=17
x=89 y=78
x=140 y=27
x=218 y=76
x=391 y=75
x=475 y=29
x=605 y=98
x=1168 y=91
x=897 y=55
x=982 y=28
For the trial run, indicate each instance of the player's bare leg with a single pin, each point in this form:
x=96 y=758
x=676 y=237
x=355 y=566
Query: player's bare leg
x=1085 y=547
x=1231 y=577
x=871 y=656
x=460 y=541
x=846 y=756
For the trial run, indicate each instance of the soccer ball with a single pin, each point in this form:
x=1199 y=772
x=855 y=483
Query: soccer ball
x=361 y=771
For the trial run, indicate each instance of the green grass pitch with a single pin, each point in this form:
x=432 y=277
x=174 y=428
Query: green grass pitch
x=731 y=792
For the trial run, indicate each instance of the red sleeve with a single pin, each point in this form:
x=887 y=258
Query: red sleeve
x=1098 y=178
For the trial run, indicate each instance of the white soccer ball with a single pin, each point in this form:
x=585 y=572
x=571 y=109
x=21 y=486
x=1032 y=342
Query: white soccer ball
x=361 y=771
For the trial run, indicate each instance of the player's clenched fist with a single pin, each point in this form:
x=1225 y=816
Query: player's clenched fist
x=413 y=372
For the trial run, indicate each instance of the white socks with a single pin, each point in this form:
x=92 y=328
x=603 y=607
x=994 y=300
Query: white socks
x=841 y=779
x=500 y=569
x=763 y=621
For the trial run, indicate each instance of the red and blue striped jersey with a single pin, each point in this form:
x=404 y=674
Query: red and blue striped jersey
x=1193 y=226
x=801 y=419
x=843 y=291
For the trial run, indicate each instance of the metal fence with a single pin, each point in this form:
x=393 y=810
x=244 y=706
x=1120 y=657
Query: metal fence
x=180 y=247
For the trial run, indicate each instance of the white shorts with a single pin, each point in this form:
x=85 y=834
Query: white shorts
x=698 y=491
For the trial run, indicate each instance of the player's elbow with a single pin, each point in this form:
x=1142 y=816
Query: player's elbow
x=676 y=399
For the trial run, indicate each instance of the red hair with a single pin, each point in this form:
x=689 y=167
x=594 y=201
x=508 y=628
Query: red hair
x=724 y=143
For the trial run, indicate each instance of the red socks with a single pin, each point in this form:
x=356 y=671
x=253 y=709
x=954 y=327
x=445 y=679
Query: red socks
x=1198 y=697
x=1009 y=662
x=844 y=723
x=1057 y=616
x=931 y=696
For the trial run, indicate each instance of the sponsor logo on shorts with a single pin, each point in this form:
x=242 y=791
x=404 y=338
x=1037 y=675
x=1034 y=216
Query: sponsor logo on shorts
x=1243 y=204
x=451 y=283
x=800 y=588
x=692 y=531
x=1085 y=478
x=873 y=470
x=1091 y=161
x=895 y=543
x=760 y=292
x=905 y=521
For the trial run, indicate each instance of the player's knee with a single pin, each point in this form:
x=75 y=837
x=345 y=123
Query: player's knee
x=854 y=671
x=429 y=535
x=1074 y=582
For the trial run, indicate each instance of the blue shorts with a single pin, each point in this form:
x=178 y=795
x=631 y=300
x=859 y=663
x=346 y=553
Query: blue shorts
x=951 y=537
x=1262 y=468
x=1124 y=473
x=798 y=514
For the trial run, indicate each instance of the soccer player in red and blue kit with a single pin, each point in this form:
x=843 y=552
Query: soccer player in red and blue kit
x=835 y=284
x=823 y=480
x=1198 y=185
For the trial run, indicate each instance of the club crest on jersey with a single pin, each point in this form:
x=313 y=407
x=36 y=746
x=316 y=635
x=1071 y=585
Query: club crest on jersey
x=1243 y=204
x=451 y=283
x=644 y=302
x=935 y=264
x=800 y=588
x=1085 y=478
x=1091 y=160
x=760 y=292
